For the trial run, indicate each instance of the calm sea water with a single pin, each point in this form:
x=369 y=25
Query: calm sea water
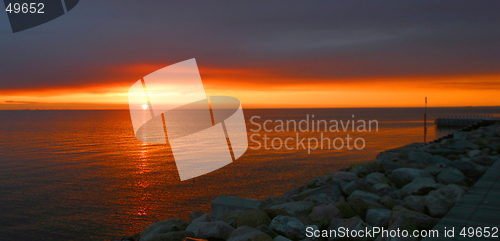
x=80 y=175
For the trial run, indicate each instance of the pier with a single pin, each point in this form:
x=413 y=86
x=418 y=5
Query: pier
x=463 y=121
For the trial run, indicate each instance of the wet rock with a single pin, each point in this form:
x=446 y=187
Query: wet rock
x=246 y=233
x=420 y=186
x=403 y=176
x=230 y=216
x=215 y=230
x=170 y=236
x=346 y=176
x=452 y=175
x=376 y=177
x=252 y=218
x=382 y=189
x=271 y=201
x=321 y=215
x=378 y=217
x=438 y=204
x=295 y=209
x=288 y=227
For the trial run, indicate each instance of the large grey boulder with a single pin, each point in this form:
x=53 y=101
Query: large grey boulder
x=483 y=160
x=223 y=204
x=470 y=169
x=350 y=187
x=400 y=223
x=288 y=227
x=331 y=191
x=354 y=223
x=230 y=216
x=420 y=220
x=452 y=192
x=267 y=230
x=320 y=199
x=440 y=159
x=281 y=238
x=271 y=201
x=194 y=215
x=474 y=153
x=170 y=236
x=162 y=227
x=321 y=215
x=294 y=209
x=419 y=157
x=204 y=218
x=246 y=233
x=215 y=230
x=376 y=177
x=452 y=175
x=382 y=189
x=403 y=176
x=388 y=165
x=438 y=204
x=346 y=176
x=195 y=227
x=378 y=217
x=365 y=196
x=252 y=218
x=416 y=203
x=420 y=186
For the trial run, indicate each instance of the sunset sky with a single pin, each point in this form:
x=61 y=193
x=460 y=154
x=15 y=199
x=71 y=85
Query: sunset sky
x=267 y=54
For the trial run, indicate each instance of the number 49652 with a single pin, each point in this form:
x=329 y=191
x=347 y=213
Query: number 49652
x=25 y=8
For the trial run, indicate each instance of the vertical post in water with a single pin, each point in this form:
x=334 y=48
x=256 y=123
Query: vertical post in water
x=425 y=121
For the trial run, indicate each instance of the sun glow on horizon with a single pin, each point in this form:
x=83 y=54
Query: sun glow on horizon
x=444 y=91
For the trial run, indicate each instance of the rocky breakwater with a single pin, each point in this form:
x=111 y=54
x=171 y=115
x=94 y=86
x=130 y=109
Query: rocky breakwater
x=409 y=188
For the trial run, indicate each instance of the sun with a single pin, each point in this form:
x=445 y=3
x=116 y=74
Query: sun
x=144 y=106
